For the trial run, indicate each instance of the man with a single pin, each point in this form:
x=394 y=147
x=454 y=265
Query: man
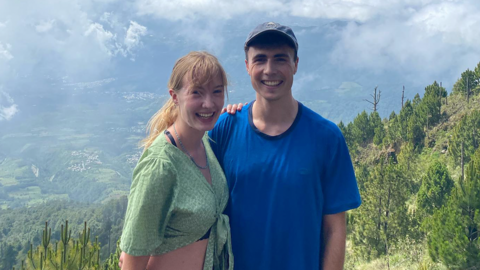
x=288 y=169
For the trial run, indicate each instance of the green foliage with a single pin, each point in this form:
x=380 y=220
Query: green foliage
x=415 y=133
x=435 y=189
x=8 y=254
x=112 y=262
x=22 y=225
x=80 y=253
x=430 y=107
x=382 y=219
x=362 y=130
x=393 y=133
x=468 y=132
x=460 y=87
x=403 y=119
x=378 y=128
x=454 y=237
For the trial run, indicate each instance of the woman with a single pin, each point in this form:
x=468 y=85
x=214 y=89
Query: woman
x=174 y=216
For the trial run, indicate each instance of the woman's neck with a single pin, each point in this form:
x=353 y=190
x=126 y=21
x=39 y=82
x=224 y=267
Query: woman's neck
x=190 y=138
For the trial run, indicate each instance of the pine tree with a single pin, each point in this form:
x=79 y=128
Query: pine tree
x=68 y=253
x=362 y=131
x=415 y=133
x=435 y=189
x=403 y=119
x=378 y=128
x=382 y=219
x=467 y=131
x=454 y=238
x=467 y=82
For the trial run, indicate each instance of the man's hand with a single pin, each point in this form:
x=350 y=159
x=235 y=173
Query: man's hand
x=232 y=109
x=334 y=238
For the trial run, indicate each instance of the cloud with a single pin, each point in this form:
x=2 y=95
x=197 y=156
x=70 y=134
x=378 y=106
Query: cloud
x=437 y=41
x=208 y=9
x=7 y=113
x=5 y=52
x=44 y=26
x=102 y=37
x=78 y=38
x=7 y=107
x=134 y=33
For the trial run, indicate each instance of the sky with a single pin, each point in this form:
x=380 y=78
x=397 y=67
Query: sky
x=50 y=43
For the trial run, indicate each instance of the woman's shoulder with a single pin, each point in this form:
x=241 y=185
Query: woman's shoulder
x=158 y=153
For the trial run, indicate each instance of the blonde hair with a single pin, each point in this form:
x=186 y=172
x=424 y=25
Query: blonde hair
x=199 y=68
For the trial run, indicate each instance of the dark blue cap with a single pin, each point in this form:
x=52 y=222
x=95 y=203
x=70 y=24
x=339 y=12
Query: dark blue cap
x=272 y=27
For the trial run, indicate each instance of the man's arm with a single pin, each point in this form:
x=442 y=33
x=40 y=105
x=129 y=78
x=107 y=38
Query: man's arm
x=334 y=238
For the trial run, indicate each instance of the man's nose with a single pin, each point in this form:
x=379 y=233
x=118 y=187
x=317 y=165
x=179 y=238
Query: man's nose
x=269 y=67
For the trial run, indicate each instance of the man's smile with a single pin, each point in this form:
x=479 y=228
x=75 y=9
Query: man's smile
x=272 y=83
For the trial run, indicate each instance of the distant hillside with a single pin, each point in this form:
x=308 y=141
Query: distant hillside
x=419 y=177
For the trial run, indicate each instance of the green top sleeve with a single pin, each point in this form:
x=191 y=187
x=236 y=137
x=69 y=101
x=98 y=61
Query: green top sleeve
x=151 y=200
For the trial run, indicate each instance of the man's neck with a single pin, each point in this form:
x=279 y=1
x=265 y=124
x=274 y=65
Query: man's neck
x=274 y=117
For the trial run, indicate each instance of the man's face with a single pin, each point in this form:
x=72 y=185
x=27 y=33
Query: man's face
x=271 y=71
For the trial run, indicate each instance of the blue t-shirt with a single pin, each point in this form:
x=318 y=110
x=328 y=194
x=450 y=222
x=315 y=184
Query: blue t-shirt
x=281 y=186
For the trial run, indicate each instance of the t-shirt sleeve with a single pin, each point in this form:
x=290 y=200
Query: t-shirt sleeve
x=339 y=183
x=218 y=136
x=150 y=205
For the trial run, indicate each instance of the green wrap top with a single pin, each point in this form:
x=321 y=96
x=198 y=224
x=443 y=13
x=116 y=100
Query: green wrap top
x=172 y=205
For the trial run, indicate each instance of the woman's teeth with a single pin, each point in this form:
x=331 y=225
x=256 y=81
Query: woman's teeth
x=205 y=115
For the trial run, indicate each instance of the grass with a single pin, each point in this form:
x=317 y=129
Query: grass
x=407 y=255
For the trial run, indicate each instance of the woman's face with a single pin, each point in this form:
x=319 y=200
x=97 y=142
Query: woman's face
x=199 y=107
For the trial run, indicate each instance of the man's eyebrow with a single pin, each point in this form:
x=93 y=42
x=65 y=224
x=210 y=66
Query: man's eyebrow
x=280 y=55
x=261 y=55
x=218 y=86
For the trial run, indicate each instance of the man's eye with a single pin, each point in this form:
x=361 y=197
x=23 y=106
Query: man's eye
x=218 y=91
x=195 y=92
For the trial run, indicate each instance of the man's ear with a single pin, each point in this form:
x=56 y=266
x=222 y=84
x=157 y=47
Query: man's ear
x=174 y=96
x=296 y=66
x=247 y=66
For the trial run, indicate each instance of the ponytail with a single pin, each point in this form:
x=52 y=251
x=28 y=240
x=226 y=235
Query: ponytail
x=160 y=121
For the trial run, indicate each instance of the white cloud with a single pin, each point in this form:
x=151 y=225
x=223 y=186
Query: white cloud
x=5 y=51
x=208 y=9
x=433 y=40
x=7 y=107
x=7 y=113
x=134 y=33
x=103 y=37
x=458 y=24
x=44 y=26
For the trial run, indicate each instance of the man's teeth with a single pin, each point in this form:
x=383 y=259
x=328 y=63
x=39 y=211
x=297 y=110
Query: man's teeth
x=272 y=83
x=205 y=115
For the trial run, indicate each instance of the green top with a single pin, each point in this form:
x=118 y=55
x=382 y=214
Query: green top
x=172 y=205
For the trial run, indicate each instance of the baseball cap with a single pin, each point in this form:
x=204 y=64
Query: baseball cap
x=272 y=27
